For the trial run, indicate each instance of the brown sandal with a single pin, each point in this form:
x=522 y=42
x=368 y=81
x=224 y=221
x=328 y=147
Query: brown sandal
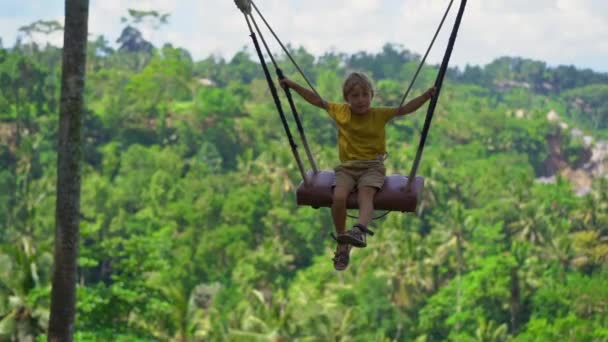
x=355 y=236
x=341 y=256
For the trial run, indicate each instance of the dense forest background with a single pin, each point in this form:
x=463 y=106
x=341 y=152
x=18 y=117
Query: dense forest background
x=190 y=230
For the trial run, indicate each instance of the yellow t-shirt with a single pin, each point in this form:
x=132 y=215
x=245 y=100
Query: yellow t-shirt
x=360 y=137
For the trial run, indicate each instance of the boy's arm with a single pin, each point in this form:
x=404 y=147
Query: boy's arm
x=416 y=103
x=307 y=94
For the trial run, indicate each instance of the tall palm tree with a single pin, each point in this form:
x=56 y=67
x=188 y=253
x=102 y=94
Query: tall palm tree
x=593 y=212
x=69 y=150
x=405 y=259
x=449 y=240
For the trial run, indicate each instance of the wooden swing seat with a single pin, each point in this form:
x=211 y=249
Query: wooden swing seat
x=319 y=192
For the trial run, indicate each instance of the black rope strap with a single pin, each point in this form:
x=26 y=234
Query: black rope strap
x=426 y=54
x=285 y=49
x=438 y=83
x=292 y=105
x=244 y=6
x=373 y=218
x=277 y=101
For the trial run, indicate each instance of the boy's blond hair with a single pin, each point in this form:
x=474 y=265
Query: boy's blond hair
x=357 y=79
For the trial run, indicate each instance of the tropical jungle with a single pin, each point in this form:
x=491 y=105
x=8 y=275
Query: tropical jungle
x=189 y=228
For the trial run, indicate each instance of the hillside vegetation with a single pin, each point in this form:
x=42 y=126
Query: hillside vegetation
x=190 y=231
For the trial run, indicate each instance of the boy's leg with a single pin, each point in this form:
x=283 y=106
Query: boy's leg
x=338 y=212
x=369 y=183
x=344 y=184
x=338 y=207
x=343 y=187
x=366 y=204
x=356 y=236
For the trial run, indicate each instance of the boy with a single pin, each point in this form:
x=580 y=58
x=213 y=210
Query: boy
x=362 y=148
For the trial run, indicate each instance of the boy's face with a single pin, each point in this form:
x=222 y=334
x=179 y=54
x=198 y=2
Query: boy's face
x=359 y=99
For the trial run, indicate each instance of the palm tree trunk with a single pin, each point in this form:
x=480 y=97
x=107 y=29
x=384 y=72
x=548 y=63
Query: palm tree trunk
x=515 y=299
x=69 y=153
x=459 y=272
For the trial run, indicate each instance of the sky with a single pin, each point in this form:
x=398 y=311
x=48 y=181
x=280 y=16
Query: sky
x=558 y=32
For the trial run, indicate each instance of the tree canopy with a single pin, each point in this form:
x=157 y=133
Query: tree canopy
x=190 y=230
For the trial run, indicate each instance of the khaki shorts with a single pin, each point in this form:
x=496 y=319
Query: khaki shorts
x=356 y=174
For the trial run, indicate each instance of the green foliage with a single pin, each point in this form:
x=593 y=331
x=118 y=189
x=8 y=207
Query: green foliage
x=26 y=89
x=190 y=231
x=164 y=79
x=569 y=328
x=385 y=64
x=41 y=26
x=588 y=104
x=581 y=295
x=481 y=291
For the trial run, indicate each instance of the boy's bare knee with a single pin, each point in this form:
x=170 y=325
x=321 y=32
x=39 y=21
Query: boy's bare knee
x=340 y=198
x=340 y=195
x=367 y=192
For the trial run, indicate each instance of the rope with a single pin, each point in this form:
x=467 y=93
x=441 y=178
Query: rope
x=426 y=54
x=292 y=105
x=244 y=6
x=285 y=49
x=373 y=218
x=255 y=24
x=438 y=83
x=277 y=102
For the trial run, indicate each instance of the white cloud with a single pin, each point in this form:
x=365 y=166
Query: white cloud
x=555 y=31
